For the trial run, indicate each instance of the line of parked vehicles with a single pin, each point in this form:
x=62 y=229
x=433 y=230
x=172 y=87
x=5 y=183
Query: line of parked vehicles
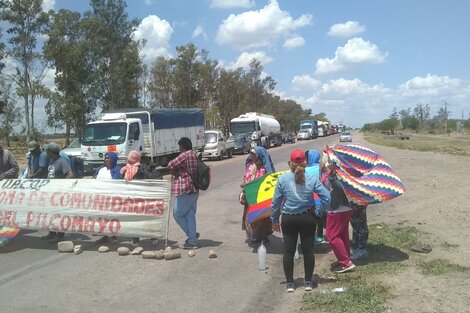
x=155 y=134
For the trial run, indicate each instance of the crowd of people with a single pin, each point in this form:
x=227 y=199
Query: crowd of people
x=308 y=199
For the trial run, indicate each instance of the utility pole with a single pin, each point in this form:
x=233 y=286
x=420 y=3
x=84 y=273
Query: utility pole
x=445 y=116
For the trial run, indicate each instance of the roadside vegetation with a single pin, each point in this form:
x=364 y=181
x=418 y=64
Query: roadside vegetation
x=417 y=130
x=363 y=291
x=452 y=144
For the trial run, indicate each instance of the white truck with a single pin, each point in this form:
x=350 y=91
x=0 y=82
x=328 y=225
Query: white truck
x=154 y=133
x=265 y=129
x=216 y=146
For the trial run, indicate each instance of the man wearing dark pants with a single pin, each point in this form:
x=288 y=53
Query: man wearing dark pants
x=58 y=168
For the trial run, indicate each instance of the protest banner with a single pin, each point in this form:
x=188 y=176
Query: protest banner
x=137 y=208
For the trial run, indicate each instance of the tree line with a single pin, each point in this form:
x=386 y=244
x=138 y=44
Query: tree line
x=419 y=119
x=98 y=68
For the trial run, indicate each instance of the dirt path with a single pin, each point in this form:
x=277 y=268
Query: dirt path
x=436 y=203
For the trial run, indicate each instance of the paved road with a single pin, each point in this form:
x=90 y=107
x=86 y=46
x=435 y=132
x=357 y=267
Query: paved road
x=34 y=277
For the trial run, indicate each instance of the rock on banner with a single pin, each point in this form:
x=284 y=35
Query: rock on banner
x=116 y=207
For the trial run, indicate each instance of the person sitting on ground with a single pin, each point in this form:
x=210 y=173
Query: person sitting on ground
x=8 y=165
x=58 y=168
x=293 y=198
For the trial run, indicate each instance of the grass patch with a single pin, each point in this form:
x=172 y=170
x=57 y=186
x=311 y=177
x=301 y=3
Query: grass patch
x=379 y=268
x=454 y=144
x=360 y=296
x=395 y=237
x=440 y=267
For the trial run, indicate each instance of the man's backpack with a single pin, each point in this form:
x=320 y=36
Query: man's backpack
x=202 y=178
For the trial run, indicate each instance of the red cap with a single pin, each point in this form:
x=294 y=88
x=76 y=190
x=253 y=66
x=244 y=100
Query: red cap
x=297 y=156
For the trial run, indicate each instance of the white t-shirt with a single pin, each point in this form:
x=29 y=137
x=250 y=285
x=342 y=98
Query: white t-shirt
x=104 y=173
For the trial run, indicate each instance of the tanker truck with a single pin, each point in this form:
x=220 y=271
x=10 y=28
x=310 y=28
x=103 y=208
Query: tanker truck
x=264 y=129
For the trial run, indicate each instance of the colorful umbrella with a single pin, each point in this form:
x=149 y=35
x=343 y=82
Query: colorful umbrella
x=7 y=234
x=365 y=176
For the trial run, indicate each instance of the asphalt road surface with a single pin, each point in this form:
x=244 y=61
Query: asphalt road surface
x=34 y=277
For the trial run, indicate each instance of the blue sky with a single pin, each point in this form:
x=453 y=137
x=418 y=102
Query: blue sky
x=353 y=60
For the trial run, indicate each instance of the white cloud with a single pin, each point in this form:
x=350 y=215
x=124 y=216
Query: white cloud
x=355 y=102
x=48 y=79
x=245 y=58
x=262 y=28
x=356 y=51
x=229 y=4
x=199 y=31
x=157 y=32
x=149 y=2
x=305 y=83
x=431 y=85
x=48 y=5
x=346 y=30
x=294 y=42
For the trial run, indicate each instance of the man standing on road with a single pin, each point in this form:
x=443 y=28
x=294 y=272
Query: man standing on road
x=37 y=161
x=58 y=168
x=182 y=169
x=8 y=165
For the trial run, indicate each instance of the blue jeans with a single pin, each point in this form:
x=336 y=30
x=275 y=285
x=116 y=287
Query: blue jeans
x=184 y=213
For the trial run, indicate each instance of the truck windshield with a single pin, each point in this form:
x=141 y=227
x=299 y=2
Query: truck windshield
x=210 y=137
x=242 y=127
x=105 y=134
x=306 y=126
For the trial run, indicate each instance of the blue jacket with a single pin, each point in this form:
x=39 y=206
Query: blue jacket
x=295 y=198
x=115 y=170
x=313 y=165
x=265 y=158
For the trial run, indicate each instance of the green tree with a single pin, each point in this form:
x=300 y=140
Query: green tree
x=228 y=95
x=410 y=122
x=389 y=125
x=161 y=85
x=256 y=87
x=422 y=112
x=12 y=115
x=185 y=76
x=74 y=101
x=320 y=117
x=394 y=114
x=116 y=62
x=370 y=127
x=2 y=65
x=26 y=23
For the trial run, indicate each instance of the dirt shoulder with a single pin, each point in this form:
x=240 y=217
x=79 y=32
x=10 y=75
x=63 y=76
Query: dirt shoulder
x=436 y=203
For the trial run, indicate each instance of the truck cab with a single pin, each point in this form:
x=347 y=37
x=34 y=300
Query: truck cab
x=215 y=145
x=113 y=133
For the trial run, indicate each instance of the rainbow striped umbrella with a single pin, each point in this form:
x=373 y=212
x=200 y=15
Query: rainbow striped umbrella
x=365 y=176
x=7 y=234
